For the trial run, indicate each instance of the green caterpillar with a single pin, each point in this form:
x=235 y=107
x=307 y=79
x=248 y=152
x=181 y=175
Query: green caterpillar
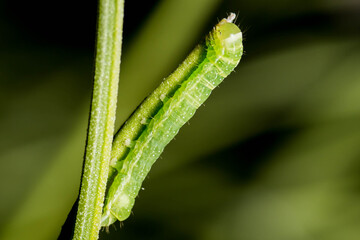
x=158 y=119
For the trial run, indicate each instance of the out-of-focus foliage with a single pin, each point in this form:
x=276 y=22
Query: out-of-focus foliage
x=273 y=154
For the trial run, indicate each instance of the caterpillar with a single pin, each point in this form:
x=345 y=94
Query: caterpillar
x=141 y=140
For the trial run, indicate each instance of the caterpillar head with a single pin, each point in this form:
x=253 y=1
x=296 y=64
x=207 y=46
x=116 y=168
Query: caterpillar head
x=228 y=37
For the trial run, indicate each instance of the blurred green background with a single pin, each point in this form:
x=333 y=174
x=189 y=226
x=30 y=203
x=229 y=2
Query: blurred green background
x=273 y=154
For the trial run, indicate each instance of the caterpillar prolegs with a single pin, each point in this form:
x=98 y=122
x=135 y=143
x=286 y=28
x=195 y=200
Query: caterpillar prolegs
x=155 y=123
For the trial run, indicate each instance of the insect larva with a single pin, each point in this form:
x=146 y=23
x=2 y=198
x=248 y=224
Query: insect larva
x=159 y=118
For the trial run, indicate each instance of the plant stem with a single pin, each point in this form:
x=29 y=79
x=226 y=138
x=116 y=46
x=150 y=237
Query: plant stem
x=102 y=119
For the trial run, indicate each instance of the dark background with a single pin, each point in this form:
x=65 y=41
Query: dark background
x=273 y=154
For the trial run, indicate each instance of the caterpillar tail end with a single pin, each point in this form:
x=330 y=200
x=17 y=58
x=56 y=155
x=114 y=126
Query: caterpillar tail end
x=107 y=219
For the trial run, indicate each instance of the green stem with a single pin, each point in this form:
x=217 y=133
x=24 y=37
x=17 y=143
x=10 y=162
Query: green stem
x=102 y=119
